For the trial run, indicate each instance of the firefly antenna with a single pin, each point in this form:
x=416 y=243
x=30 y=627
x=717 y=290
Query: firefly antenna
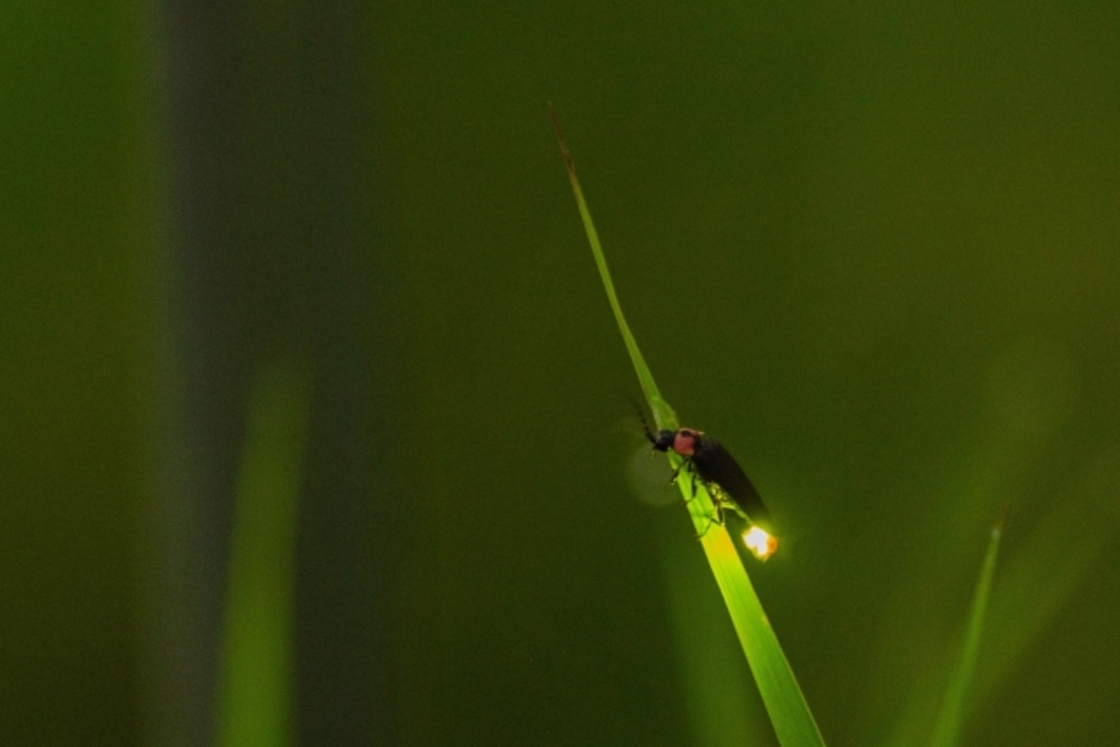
x=645 y=424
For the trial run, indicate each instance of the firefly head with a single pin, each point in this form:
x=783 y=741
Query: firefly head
x=664 y=440
x=683 y=442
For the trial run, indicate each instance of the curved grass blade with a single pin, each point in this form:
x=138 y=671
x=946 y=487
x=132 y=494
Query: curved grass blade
x=948 y=729
x=789 y=713
x=663 y=415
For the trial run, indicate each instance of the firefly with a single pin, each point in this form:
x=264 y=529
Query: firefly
x=717 y=468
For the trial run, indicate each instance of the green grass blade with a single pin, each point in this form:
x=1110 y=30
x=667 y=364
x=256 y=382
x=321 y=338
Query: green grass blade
x=1052 y=562
x=255 y=687
x=789 y=713
x=948 y=728
x=663 y=415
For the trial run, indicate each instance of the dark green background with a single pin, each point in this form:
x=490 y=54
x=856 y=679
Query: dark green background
x=873 y=248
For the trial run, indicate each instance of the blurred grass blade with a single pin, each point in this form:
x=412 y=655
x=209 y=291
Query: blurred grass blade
x=789 y=713
x=948 y=728
x=1063 y=549
x=255 y=689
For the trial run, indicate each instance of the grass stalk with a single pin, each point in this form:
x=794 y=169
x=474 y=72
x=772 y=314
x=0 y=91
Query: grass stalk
x=785 y=704
x=947 y=730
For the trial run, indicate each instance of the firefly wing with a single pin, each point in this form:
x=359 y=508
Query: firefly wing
x=715 y=464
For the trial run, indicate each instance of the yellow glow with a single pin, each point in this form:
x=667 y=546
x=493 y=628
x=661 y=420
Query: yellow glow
x=760 y=542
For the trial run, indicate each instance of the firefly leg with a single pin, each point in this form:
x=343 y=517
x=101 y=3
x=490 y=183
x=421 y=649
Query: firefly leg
x=715 y=518
x=677 y=471
x=692 y=476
